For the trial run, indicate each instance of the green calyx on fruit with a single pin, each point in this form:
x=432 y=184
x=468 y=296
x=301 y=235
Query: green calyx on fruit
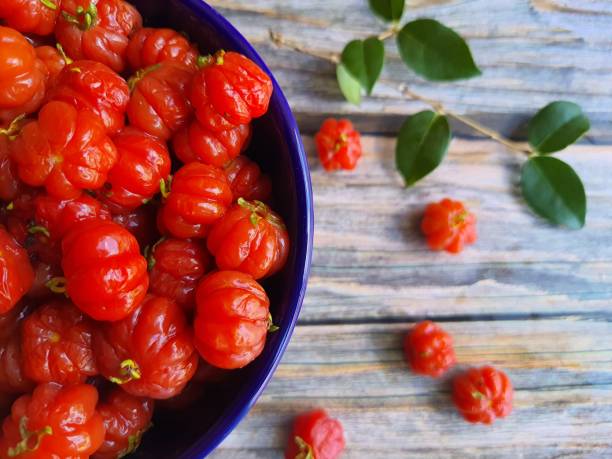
x=305 y=450
x=84 y=19
x=130 y=371
x=25 y=445
x=57 y=285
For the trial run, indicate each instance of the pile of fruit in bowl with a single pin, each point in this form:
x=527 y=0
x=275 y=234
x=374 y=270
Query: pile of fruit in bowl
x=135 y=232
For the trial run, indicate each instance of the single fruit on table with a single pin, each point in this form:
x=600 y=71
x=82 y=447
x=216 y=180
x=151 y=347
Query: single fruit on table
x=53 y=422
x=144 y=162
x=197 y=143
x=22 y=76
x=250 y=238
x=65 y=150
x=232 y=319
x=315 y=436
x=30 y=16
x=175 y=268
x=149 y=46
x=230 y=90
x=54 y=63
x=98 y=30
x=200 y=196
x=338 y=145
x=449 y=226
x=126 y=418
x=429 y=349
x=159 y=103
x=57 y=338
x=15 y=271
x=92 y=86
x=13 y=379
x=483 y=394
x=106 y=276
x=247 y=181
x=58 y=216
x=150 y=353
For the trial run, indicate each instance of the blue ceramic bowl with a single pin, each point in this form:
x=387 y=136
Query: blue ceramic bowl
x=193 y=432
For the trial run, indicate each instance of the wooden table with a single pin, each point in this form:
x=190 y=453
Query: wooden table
x=531 y=299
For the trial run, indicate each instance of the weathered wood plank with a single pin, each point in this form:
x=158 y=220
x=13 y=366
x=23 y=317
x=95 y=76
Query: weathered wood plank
x=561 y=369
x=531 y=52
x=371 y=261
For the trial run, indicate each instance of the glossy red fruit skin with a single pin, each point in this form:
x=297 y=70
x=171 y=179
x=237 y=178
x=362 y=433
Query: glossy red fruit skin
x=232 y=319
x=58 y=216
x=65 y=150
x=159 y=103
x=141 y=222
x=232 y=87
x=317 y=434
x=150 y=46
x=144 y=162
x=16 y=274
x=62 y=422
x=429 y=349
x=483 y=394
x=150 y=353
x=44 y=272
x=126 y=418
x=105 y=273
x=199 y=197
x=247 y=181
x=30 y=16
x=250 y=238
x=54 y=63
x=449 y=226
x=338 y=145
x=22 y=76
x=10 y=185
x=90 y=85
x=57 y=340
x=100 y=33
x=199 y=144
x=10 y=321
x=12 y=377
x=176 y=267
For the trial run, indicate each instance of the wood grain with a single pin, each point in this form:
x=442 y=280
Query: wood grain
x=531 y=52
x=561 y=370
x=371 y=262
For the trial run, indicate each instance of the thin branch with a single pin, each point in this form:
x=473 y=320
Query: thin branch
x=392 y=32
x=280 y=41
x=494 y=135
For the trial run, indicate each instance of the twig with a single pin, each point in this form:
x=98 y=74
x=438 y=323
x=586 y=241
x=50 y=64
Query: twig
x=281 y=41
x=494 y=135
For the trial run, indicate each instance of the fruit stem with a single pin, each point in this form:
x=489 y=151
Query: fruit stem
x=49 y=4
x=13 y=128
x=84 y=19
x=38 y=229
x=271 y=327
x=305 y=450
x=165 y=186
x=140 y=74
x=67 y=60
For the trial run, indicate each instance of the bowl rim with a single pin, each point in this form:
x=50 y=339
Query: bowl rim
x=290 y=131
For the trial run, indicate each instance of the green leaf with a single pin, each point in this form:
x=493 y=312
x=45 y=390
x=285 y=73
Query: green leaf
x=364 y=61
x=554 y=191
x=349 y=85
x=557 y=126
x=436 y=52
x=422 y=145
x=389 y=10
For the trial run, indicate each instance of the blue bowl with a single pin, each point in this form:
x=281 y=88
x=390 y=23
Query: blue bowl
x=198 y=429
